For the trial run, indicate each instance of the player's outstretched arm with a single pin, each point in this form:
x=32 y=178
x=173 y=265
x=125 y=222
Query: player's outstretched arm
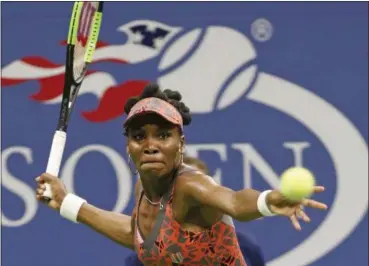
x=203 y=190
x=245 y=204
x=115 y=226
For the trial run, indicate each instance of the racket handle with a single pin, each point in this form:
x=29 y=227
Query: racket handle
x=55 y=158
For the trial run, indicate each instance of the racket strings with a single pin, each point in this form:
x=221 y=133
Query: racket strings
x=84 y=30
x=79 y=64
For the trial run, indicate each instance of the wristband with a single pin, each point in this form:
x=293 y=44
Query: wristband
x=262 y=204
x=70 y=207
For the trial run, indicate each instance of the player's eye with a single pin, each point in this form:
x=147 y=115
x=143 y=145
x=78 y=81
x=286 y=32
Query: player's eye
x=137 y=135
x=164 y=135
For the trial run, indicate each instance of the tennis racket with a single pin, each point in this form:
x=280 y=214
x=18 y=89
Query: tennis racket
x=83 y=34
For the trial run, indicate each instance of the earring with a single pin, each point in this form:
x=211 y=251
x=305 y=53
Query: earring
x=129 y=164
x=181 y=153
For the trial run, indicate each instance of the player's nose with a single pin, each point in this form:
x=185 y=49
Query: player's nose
x=151 y=149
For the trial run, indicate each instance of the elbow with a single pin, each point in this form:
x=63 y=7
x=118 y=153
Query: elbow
x=236 y=207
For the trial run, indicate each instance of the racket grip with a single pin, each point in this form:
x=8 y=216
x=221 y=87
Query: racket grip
x=55 y=158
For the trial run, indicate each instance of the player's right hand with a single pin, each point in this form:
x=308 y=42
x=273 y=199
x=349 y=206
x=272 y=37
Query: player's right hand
x=57 y=187
x=280 y=205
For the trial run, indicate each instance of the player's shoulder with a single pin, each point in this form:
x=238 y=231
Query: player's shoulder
x=190 y=177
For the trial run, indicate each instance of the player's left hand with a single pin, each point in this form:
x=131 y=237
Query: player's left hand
x=294 y=210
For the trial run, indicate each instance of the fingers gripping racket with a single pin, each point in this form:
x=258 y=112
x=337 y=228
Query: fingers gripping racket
x=83 y=33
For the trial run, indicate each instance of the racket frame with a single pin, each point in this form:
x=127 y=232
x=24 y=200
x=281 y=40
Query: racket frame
x=71 y=86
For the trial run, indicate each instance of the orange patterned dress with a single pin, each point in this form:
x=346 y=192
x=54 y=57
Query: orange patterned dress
x=168 y=244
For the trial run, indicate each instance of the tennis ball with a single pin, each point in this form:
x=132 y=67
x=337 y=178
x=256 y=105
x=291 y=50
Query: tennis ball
x=297 y=183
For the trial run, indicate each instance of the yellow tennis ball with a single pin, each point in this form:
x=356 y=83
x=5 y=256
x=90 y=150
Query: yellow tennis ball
x=297 y=183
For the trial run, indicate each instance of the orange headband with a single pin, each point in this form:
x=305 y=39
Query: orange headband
x=157 y=106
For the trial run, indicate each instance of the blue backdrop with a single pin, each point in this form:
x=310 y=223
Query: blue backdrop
x=270 y=85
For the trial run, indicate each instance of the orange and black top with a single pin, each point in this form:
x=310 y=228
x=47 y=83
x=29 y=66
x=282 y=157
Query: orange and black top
x=168 y=244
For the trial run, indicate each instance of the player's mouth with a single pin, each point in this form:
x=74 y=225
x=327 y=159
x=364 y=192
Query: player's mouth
x=151 y=162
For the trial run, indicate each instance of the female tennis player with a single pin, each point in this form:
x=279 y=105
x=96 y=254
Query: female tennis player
x=181 y=215
x=250 y=250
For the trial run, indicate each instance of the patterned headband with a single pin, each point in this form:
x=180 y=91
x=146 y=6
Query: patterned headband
x=157 y=106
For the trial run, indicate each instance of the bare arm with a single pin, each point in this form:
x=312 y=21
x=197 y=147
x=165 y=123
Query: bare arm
x=202 y=189
x=115 y=226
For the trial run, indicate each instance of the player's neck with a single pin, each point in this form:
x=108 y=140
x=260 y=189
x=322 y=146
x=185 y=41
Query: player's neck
x=155 y=187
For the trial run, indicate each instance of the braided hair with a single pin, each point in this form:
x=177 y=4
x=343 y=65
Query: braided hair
x=172 y=97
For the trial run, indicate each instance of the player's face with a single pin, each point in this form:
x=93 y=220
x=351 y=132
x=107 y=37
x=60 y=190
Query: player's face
x=155 y=145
